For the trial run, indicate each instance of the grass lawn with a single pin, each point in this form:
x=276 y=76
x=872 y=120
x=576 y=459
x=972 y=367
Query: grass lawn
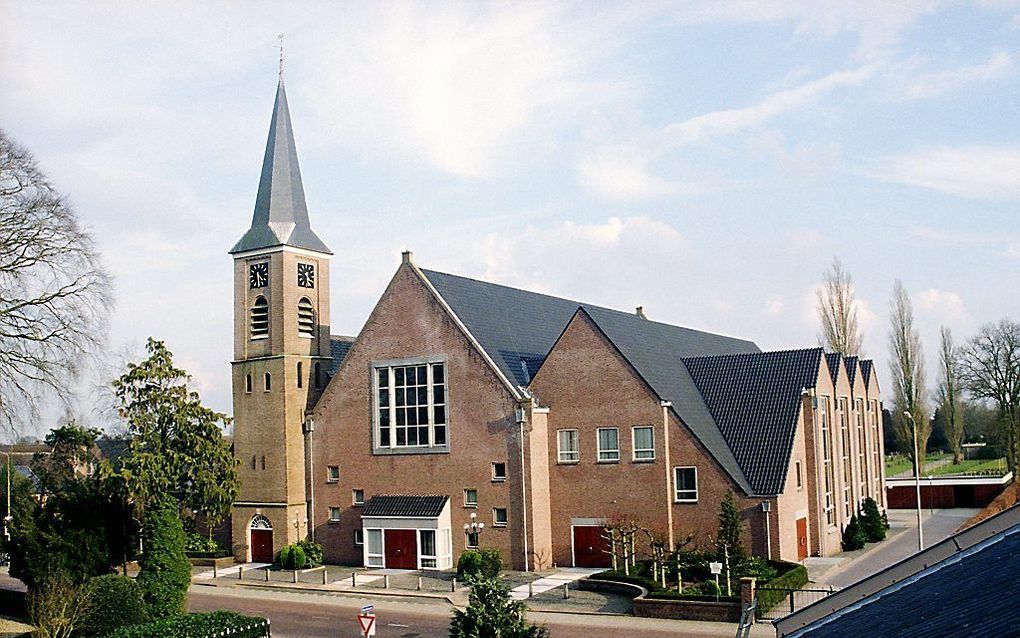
x=973 y=466
x=899 y=463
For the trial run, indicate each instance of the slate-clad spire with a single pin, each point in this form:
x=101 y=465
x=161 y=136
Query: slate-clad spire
x=281 y=216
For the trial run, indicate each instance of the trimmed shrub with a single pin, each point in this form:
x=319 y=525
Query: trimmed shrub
x=486 y=563
x=795 y=578
x=754 y=567
x=313 y=553
x=297 y=558
x=469 y=563
x=199 y=626
x=283 y=557
x=871 y=521
x=853 y=535
x=114 y=602
x=632 y=579
x=165 y=573
x=196 y=543
x=492 y=562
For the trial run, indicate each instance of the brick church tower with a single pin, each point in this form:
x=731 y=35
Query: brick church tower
x=281 y=350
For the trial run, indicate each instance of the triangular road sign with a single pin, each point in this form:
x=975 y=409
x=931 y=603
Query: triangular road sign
x=367 y=624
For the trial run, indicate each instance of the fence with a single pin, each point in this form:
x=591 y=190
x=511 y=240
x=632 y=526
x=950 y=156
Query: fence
x=776 y=602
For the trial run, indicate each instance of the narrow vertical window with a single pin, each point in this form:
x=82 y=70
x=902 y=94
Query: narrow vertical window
x=263 y=461
x=844 y=442
x=268 y=381
x=827 y=477
x=300 y=375
x=260 y=318
x=247 y=383
x=800 y=481
x=253 y=461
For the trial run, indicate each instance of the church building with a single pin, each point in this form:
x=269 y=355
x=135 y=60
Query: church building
x=470 y=414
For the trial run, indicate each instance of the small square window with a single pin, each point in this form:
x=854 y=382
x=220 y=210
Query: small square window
x=334 y=514
x=471 y=540
x=359 y=537
x=470 y=498
x=567 y=447
x=685 y=484
x=499 y=472
x=358 y=497
x=499 y=517
x=332 y=473
x=609 y=445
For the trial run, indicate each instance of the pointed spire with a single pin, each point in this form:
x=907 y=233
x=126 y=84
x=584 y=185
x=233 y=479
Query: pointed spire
x=281 y=216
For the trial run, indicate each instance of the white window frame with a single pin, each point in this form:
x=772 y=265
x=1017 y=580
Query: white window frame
x=354 y=497
x=332 y=473
x=496 y=478
x=392 y=447
x=598 y=446
x=359 y=537
x=422 y=556
x=828 y=476
x=468 y=503
x=560 y=452
x=634 y=447
x=495 y=519
x=335 y=509
x=676 y=484
x=375 y=559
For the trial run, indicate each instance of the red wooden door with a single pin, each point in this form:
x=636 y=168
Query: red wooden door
x=802 y=551
x=262 y=545
x=401 y=549
x=591 y=549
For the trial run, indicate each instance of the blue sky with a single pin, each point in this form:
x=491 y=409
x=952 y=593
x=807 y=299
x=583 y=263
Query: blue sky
x=703 y=160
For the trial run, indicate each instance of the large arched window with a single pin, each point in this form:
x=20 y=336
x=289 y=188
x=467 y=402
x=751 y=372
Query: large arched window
x=305 y=318
x=260 y=318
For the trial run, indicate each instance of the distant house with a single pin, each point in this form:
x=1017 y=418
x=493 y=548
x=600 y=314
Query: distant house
x=463 y=402
x=966 y=585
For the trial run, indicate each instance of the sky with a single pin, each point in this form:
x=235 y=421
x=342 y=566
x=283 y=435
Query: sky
x=704 y=160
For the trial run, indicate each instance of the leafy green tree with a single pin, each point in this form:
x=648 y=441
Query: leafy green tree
x=165 y=571
x=114 y=602
x=177 y=446
x=730 y=538
x=871 y=521
x=491 y=613
x=853 y=535
x=73 y=454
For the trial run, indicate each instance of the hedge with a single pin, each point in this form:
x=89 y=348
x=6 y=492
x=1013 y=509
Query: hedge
x=114 y=602
x=618 y=577
x=794 y=578
x=220 y=553
x=209 y=625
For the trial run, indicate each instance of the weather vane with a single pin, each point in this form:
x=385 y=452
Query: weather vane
x=280 y=38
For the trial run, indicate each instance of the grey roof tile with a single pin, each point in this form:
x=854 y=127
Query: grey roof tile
x=832 y=358
x=851 y=369
x=866 y=368
x=281 y=215
x=339 y=346
x=755 y=400
x=408 y=505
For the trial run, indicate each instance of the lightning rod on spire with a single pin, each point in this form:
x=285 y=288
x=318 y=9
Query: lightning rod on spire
x=280 y=46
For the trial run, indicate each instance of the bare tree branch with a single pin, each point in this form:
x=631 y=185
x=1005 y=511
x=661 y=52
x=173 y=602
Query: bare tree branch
x=950 y=405
x=906 y=361
x=837 y=312
x=990 y=370
x=54 y=293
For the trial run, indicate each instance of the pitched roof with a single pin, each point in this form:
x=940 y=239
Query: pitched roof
x=756 y=399
x=339 y=346
x=406 y=506
x=866 y=367
x=833 y=360
x=851 y=370
x=517 y=328
x=964 y=586
x=281 y=215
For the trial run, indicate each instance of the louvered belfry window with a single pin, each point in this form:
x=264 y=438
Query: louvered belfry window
x=260 y=318
x=306 y=318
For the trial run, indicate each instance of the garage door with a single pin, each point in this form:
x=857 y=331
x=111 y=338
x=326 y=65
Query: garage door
x=591 y=549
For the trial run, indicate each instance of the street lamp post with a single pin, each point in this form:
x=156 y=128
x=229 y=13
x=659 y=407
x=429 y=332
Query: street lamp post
x=917 y=480
x=474 y=527
x=7 y=517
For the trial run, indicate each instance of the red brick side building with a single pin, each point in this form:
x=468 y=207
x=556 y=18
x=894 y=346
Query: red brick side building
x=467 y=413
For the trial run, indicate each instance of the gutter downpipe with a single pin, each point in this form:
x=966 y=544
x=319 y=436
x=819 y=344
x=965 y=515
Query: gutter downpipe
x=309 y=429
x=666 y=405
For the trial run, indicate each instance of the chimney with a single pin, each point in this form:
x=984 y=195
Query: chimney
x=640 y=311
x=407 y=257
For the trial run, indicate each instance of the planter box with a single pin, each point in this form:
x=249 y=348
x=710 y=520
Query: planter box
x=722 y=611
x=220 y=563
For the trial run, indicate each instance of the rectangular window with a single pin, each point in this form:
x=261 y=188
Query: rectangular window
x=844 y=442
x=358 y=497
x=567 y=446
x=374 y=549
x=643 y=438
x=862 y=451
x=471 y=540
x=411 y=406
x=359 y=537
x=685 y=484
x=470 y=498
x=499 y=517
x=427 y=540
x=609 y=445
x=332 y=473
x=876 y=450
x=827 y=478
x=800 y=480
x=498 y=472
x=334 y=514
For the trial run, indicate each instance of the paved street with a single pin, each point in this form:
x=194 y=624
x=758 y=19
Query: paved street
x=298 y=615
x=937 y=526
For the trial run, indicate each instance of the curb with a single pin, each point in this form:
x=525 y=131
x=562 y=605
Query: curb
x=333 y=592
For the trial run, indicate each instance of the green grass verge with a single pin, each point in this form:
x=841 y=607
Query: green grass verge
x=996 y=467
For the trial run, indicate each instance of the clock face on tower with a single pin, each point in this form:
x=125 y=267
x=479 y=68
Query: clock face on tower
x=306 y=275
x=258 y=275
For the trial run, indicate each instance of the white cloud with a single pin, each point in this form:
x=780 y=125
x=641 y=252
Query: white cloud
x=999 y=65
x=615 y=176
x=730 y=121
x=945 y=306
x=806 y=239
x=978 y=172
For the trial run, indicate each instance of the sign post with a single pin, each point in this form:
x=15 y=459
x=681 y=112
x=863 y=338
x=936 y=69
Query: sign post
x=716 y=570
x=366 y=620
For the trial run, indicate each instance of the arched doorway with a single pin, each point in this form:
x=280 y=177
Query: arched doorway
x=261 y=531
